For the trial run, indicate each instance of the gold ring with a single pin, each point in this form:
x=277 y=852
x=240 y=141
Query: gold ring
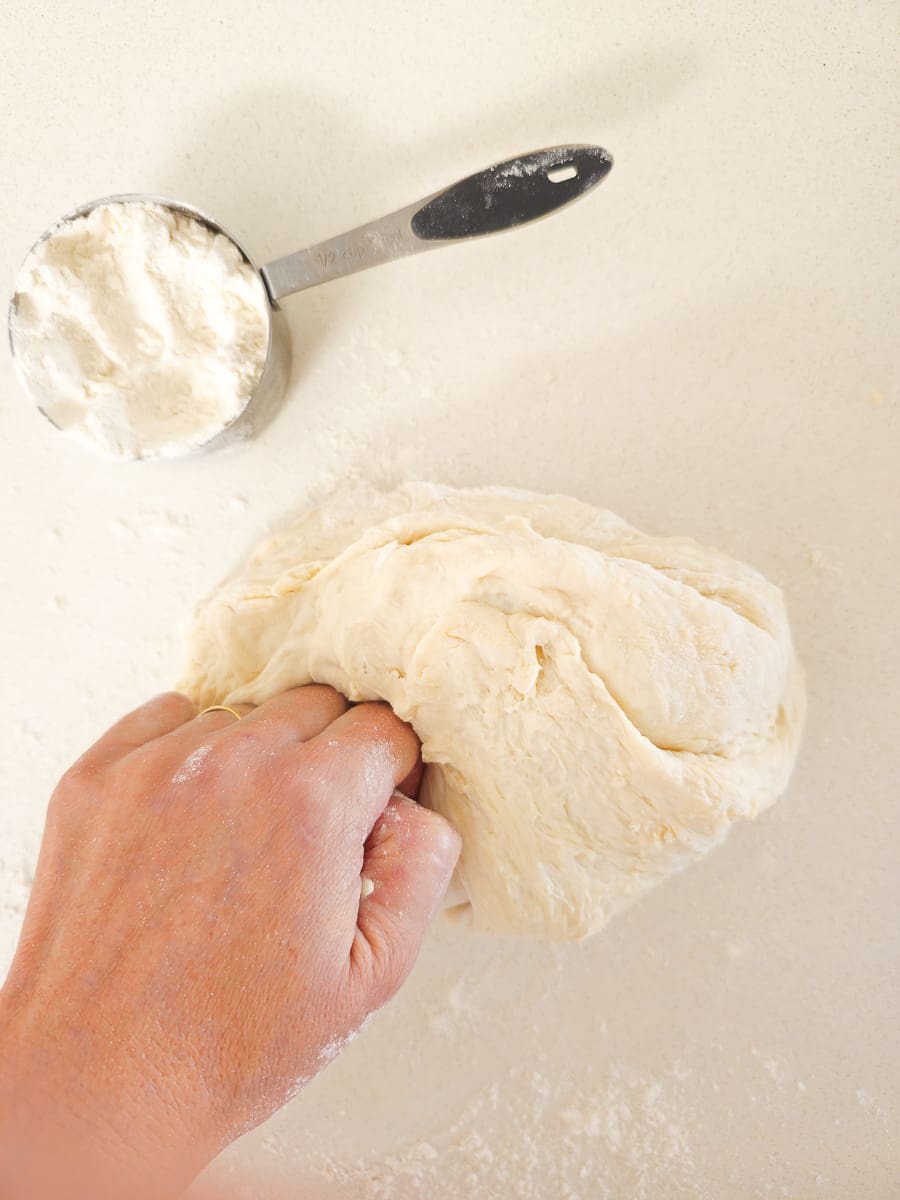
x=219 y=708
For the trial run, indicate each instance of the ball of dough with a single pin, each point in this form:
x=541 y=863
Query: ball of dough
x=597 y=705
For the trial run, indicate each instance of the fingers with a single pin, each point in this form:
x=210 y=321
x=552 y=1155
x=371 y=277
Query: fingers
x=216 y=718
x=410 y=858
x=155 y=719
x=298 y=715
x=411 y=784
x=363 y=756
x=294 y=716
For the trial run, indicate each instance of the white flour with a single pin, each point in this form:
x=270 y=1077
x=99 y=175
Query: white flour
x=557 y=1143
x=192 y=765
x=138 y=330
x=627 y=1135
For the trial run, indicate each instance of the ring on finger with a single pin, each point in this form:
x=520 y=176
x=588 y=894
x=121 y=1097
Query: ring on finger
x=220 y=708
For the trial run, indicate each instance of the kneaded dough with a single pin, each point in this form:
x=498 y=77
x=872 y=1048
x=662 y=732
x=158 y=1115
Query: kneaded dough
x=597 y=705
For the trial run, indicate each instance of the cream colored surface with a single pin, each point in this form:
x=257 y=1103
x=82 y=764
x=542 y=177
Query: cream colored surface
x=597 y=705
x=139 y=332
x=708 y=344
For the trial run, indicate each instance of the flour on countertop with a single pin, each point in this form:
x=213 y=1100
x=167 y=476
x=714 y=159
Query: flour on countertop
x=139 y=331
x=558 y=1141
x=15 y=887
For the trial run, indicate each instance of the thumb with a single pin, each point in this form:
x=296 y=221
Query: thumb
x=409 y=859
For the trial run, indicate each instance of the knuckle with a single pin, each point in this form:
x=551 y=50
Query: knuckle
x=378 y=721
x=241 y=746
x=81 y=782
x=196 y=766
x=326 y=694
x=378 y=715
x=76 y=779
x=236 y=756
x=316 y=773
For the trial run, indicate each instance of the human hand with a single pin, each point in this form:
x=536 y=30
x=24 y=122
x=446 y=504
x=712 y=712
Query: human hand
x=218 y=905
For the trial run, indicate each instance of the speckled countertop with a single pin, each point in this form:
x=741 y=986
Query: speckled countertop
x=708 y=345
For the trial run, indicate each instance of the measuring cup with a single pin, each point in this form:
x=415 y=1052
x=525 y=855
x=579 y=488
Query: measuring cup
x=501 y=197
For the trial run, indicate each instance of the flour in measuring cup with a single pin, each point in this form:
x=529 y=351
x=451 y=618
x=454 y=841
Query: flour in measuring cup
x=138 y=330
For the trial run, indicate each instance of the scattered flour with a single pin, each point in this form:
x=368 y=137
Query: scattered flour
x=15 y=887
x=335 y=1045
x=559 y=1142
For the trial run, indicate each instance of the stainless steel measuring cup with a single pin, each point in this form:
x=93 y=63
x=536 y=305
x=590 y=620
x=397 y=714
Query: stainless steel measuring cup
x=501 y=197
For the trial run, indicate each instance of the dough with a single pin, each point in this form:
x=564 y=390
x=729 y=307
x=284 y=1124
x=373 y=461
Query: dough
x=598 y=705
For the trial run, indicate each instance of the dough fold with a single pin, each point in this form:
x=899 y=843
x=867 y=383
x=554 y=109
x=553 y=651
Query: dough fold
x=598 y=706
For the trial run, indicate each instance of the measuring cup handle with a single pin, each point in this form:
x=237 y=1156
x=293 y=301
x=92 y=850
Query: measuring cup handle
x=511 y=193
x=503 y=196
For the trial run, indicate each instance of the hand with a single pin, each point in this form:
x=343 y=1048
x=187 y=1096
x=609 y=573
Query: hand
x=218 y=905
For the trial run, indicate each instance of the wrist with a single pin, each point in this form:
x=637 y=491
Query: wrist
x=72 y=1125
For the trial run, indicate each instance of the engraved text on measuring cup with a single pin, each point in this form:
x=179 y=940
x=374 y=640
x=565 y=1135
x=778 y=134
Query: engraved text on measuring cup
x=375 y=245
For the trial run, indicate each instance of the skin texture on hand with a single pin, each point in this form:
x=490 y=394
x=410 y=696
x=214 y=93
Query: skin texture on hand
x=218 y=904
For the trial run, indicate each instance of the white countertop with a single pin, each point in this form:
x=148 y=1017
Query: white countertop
x=707 y=345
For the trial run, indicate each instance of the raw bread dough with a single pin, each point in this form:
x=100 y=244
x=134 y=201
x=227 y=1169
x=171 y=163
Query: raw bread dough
x=598 y=705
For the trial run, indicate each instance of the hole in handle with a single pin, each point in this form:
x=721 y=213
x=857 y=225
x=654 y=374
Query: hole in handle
x=561 y=173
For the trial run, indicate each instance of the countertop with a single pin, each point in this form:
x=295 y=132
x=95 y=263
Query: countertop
x=707 y=345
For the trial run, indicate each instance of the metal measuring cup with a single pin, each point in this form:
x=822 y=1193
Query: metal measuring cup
x=501 y=197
